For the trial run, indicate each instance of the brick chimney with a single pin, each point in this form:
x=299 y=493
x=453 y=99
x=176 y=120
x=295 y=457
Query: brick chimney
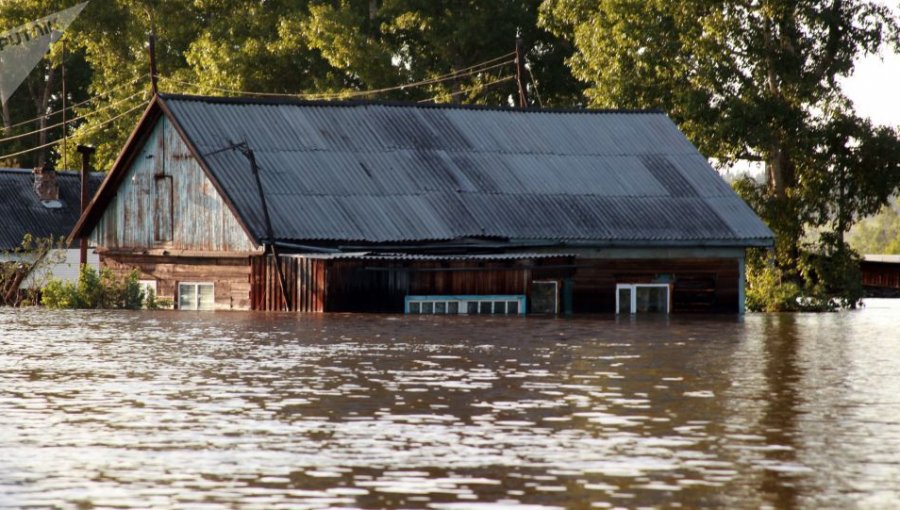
x=45 y=184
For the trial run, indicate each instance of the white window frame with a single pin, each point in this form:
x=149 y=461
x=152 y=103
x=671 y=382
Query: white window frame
x=196 y=286
x=632 y=287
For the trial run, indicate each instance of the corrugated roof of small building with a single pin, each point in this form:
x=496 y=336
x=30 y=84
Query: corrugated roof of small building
x=22 y=212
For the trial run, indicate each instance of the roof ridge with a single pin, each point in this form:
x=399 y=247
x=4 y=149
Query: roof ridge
x=293 y=101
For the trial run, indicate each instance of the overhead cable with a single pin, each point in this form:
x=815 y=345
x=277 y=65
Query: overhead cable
x=87 y=128
x=468 y=71
x=74 y=119
x=470 y=89
x=80 y=103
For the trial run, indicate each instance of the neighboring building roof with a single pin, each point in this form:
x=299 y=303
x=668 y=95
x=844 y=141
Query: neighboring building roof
x=23 y=213
x=881 y=258
x=484 y=257
x=369 y=173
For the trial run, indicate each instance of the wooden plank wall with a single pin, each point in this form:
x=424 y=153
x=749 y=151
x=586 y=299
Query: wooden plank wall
x=382 y=285
x=265 y=285
x=311 y=285
x=229 y=275
x=880 y=274
x=700 y=285
x=194 y=215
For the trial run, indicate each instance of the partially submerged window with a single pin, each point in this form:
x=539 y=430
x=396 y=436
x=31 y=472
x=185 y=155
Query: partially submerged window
x=465 y=305
x=544 y=296
x=642 y=298
x=196 y=296
x=163 y=223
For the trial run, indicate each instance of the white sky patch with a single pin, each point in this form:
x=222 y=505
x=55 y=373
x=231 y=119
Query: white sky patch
x=874 y=86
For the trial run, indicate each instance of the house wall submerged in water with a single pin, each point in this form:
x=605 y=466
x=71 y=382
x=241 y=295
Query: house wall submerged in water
x=375 y=207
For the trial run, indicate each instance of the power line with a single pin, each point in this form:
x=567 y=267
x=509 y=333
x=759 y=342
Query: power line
x=476 y=87
x=81 y=103
x=69 y=121
x=468 y=71
x=88 y=128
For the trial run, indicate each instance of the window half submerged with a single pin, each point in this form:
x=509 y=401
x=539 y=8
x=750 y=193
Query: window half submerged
x=465 y=305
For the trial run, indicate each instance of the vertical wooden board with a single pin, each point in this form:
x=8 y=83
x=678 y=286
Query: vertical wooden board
x=201 y=219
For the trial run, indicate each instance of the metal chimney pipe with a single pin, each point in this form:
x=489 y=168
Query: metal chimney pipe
x=86 y=152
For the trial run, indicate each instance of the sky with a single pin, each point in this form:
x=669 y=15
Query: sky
x=874 y=86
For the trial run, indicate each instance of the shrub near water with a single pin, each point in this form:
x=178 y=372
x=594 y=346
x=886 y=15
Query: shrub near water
x=94 y=290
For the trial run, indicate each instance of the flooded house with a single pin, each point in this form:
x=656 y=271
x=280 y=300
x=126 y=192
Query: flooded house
x=237 y=204
x=44 y=204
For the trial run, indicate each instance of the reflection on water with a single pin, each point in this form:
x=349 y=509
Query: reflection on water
x=164 y=409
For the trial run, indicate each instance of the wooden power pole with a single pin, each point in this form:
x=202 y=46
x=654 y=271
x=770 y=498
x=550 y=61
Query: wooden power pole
x=520 y=71
x=153 y=73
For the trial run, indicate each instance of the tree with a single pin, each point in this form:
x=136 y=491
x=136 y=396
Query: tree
x=41 y=92
x=751 y=81
x=879 y=233
x=391 y=42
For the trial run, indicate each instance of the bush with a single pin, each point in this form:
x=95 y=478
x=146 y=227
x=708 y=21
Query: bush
x=94 y=290
x=59 y=294
x=767 y=290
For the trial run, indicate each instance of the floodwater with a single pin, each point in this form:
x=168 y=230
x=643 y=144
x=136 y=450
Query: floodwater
x=241 y=411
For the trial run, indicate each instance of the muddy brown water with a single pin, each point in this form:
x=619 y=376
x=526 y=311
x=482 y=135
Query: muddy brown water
x=245 y=411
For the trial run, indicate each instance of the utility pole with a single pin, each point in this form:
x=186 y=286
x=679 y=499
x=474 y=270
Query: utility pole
x=153 y=73
x=86 y=152
x=520 y=71
x=65 y=133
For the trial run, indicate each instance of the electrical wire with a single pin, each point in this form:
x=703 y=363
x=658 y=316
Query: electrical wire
x=88 y=128
x=69 y=121
x=468 y=71
x=463 y=91
x=80 y=103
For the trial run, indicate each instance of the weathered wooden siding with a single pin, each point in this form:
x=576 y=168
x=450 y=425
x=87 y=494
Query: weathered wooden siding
x=380 y=286
x=229 y=275
x=700 y=285
x=265 y=285
x=167 y=202
x=884 y=275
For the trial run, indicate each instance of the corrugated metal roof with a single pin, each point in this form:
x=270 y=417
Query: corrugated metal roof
x=23 y=213
x=442 y=258
x=380 y=173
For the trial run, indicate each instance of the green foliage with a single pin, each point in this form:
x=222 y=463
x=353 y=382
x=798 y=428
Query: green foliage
x=821 y=282
x=41 y=91
x=768 y=290
x=58 y=294
x=879 y=233
x=94 y=290
x=152 y=302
